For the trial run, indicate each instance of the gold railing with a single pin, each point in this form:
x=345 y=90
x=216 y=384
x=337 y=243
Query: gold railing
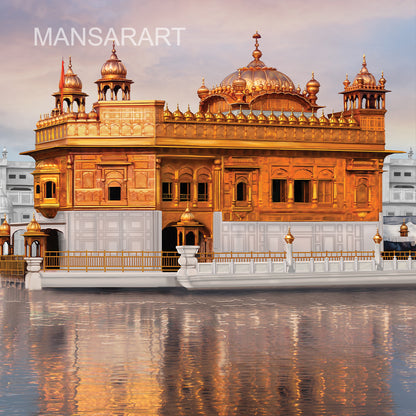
x=12 y=265
x=400 y=255
x=240 y=256
x=111 y=260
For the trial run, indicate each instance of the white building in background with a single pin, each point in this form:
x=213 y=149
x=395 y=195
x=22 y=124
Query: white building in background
x=16 y=194
x=399 y=201
x=399 y=186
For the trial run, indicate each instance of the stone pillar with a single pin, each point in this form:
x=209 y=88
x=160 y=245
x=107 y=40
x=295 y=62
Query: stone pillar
x=377 y=251
x=32 y=278
x=188 y=263
x=289 y=250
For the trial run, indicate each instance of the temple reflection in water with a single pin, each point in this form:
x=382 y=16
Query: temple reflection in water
x=169 y=354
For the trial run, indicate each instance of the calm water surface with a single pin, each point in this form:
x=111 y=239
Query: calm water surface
x=237 y=353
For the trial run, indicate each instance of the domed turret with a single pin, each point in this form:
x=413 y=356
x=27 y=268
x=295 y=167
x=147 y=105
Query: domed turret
x=70 y=93
x=187 y=216
x=33 y=226
x=71 y=80
x=113 y=79
x=113 y=68
x=364 y=78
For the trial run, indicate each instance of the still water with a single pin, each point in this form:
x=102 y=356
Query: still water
x=226 y=353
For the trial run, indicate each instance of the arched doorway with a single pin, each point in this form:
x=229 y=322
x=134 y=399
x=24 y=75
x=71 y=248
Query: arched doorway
x=53 y=248
x=169 y=254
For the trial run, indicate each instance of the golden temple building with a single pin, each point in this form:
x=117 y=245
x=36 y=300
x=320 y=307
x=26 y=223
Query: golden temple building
x=258 y=156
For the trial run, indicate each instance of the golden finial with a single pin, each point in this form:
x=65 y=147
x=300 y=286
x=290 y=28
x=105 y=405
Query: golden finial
x=257 y=53
x=364 y=61
x=313 y=75
x=114 y=47
x=289 y=237
x=377 y=238
x=70 y=63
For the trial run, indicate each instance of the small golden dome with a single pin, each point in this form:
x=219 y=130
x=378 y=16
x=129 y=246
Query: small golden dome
x=289 y=237
x=71 y=80
x=203 y=91
x=47 y=166
x=82 y=115
x=377 y=238
x=364 y=78
x=382 y=81
x=352 y=121
x=293 y=119
x=251 y=118
x=220 y=117
x=71 y=116
x=187 y=216
x=189 y=115
x=313 y=85
x=261 y=118
x=283 y=119
x=92 y=115
x=302 y=119
x=341 y=121
x=298 y=89
x=404 y=230
x=313 y=120
x=241 y=118
x=239 y=84
x=167 y=115
x=177 y=114
x=333 y=121
x=5 y=228
x=209 y=116
x=199 y=116
x=113 y=67
x=272 y=119
x=323 y=121
x=346 y=81
x=230 y=117
x=33 y=226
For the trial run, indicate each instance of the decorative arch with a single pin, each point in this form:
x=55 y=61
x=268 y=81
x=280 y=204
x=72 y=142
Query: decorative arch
x=303 y=174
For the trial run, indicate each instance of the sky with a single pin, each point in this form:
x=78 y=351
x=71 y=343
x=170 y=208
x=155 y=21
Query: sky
x=209 y=39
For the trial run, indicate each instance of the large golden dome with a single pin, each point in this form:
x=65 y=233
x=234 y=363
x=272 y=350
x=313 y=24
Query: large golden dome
x=257 y=74
x=113 y=67
x=71 y=80
x=364 y=78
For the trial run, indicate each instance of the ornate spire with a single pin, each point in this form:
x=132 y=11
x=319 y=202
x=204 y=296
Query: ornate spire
x=257 y=52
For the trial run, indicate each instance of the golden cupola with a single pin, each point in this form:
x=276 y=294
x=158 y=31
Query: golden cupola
x=113 y=79
x=364 y=78
x=71 y=92
x=259 y=87
x=363 y=93
x=5 y=228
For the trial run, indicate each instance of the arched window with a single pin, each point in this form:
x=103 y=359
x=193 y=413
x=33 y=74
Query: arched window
x=50 y=189
x=241 y=191
x=362 y=194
